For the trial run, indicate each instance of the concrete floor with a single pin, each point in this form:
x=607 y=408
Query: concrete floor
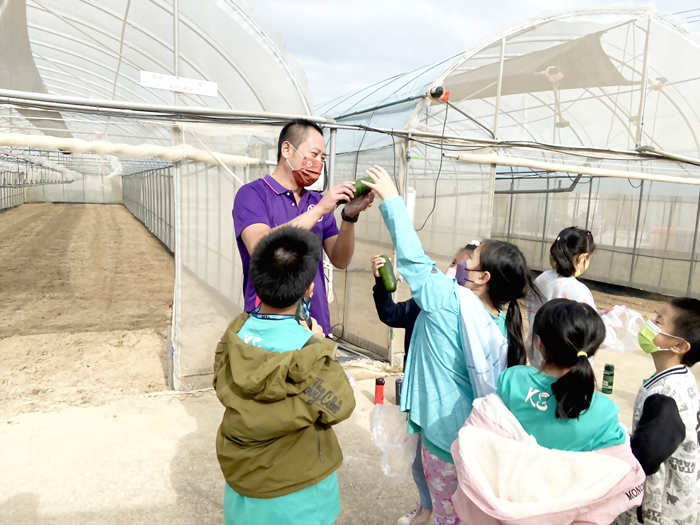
x=152 y=460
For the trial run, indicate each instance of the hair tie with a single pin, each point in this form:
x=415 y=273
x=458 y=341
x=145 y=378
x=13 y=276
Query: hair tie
x=558 y=239
x=475 y=243
x=582 y=354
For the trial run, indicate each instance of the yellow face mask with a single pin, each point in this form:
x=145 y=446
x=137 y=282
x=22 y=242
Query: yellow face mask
x=585 y=267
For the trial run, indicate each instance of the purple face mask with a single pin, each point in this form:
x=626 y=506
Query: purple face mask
x=462 y=274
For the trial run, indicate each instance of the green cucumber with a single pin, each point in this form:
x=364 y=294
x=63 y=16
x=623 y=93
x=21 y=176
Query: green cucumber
x=386 y=272
x=360 y=187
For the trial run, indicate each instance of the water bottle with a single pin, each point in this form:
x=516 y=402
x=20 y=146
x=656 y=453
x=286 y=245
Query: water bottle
x=608 y=377
x=379 y=391
x=399 y=384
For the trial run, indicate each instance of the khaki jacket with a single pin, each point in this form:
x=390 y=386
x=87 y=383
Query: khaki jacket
x=276 y=436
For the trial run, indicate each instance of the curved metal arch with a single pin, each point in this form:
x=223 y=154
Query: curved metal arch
x=678 y=109
x=106 y=51
x=369 y=89
x=530 y=26
x=270 y=46
x=273 y=47
x=71 y=53
x=48 y=78
x=75 y=20
x=63 y=64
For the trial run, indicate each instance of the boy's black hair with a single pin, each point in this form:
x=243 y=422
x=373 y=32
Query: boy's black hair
x=511 y=279
x=295 y=132
x=687 y=325
x=566 y=328
x=470 y=248
x=569 y=243
x=284 y=264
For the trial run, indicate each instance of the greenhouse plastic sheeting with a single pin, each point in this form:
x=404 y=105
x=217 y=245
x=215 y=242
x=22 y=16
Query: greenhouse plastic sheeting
x=449 y=212
x=583 y=88
x=149 y=196
x=11 y=197
x=603 y=80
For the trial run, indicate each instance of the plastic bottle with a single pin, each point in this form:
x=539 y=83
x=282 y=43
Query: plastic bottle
x=386 y=272
x=608 y=377
x=379 y=391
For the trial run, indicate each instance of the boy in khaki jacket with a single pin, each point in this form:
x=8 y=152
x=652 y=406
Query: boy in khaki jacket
x=283 y=389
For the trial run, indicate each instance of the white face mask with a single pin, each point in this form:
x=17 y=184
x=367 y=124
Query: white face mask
x=451 y=273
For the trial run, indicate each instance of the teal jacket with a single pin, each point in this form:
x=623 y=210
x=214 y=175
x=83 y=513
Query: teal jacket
x=437 y=392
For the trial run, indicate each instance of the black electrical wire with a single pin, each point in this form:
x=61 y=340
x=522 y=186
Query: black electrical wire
x=393 y=150
x=437 y=178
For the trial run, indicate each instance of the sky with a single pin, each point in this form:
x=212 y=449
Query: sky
x=345 y=45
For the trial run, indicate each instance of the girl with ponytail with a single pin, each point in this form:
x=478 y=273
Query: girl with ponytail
x=557 y=402
x=546 y=443
x=468 y=331
x=569 y=255
x=501 y=279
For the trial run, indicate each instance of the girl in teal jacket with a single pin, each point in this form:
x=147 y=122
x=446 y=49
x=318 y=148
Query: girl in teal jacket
x=456 y=321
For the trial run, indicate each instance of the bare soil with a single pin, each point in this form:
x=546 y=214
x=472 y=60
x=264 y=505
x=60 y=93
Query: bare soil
x=84 y=293
x=83 y=308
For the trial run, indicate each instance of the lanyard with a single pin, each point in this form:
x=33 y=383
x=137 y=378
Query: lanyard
x=270 y=317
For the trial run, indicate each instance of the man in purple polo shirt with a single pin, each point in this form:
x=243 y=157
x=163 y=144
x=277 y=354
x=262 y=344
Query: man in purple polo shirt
x=281 y=200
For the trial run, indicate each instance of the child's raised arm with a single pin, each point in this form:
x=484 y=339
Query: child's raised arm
x=429 y=286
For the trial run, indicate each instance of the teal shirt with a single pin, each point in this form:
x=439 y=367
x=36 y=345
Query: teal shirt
x=527 y=393
x=282 y=335
x=319 y=503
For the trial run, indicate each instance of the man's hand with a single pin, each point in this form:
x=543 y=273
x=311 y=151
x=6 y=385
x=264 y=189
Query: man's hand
x=315 y=327
x=345 y=191
x=382 y=185
x=377 y=262
x=360 y=204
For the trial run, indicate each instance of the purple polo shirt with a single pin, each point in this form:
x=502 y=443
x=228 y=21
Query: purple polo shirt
x=266 y=201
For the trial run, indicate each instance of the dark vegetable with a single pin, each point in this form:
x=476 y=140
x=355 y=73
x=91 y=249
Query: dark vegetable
x=386 y=272
x=360 y=187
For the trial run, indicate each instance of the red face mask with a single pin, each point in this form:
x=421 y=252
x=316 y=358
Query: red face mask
x=309 y=172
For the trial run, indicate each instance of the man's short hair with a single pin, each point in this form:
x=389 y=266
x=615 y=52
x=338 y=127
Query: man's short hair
x=296 y=132
x=686 y=324
x=284 y=264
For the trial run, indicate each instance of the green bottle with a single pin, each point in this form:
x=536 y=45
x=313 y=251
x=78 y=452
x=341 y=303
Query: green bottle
x=386 y=272
x=608 y=377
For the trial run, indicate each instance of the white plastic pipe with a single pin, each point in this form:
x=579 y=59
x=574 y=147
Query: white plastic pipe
x=125 y=151
x=520 y=162
x=59 y=102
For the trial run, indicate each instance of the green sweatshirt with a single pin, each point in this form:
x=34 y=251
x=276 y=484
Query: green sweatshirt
x=276 y=436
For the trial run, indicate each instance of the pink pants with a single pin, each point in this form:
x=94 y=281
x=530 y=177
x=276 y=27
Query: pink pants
x=442 y=484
